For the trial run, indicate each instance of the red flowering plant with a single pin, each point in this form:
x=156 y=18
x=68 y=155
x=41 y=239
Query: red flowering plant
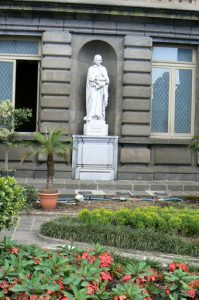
x=178 y=283
x=32 y=273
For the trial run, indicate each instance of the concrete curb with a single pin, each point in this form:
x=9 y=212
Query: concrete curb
x=162 y=258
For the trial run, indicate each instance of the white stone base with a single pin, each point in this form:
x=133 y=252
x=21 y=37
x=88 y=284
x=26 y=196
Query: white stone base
x=96 y=128
x=90 y=174
x=94 y=158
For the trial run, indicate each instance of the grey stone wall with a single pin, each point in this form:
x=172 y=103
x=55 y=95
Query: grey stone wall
x=55 y=80
x=136 y=97
x=136 y=86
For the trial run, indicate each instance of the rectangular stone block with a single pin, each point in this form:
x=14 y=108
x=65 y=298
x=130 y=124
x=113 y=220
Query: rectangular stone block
x=137 y=91
x=175 y=187
x=43 y=157
x=136 y=117
x=15 y=154
x=137 y=79
x=191 y=188
x=55 y=102
x=135 y=130
x=56 y=49
x=54 y=125
x=135 y=155
x=137 y=66
x=55 y=89
x=137 y=41
x=55 y=75
x=56 y=63
x=140 y=187
x=139 y=104
x=54 y=115
x=172 y=155
x=49 y=22
x=129 y=26
x=57 y=36
x=135 y=53
x=28 y=21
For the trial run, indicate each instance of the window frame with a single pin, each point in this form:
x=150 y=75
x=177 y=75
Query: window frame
x=13 y=77
x=9 y=57
x=172 y=67
x=22 y=56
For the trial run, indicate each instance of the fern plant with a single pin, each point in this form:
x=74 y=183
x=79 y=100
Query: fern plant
x=195 y=143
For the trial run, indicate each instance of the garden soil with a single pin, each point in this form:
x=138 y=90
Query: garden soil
x=132 y=203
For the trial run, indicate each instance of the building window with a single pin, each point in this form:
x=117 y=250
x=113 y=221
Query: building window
x=19 y=64
x=172 y=91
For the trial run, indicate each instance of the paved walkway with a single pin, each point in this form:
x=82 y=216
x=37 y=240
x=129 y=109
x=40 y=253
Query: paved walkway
x=27 y=232
x=136 y=188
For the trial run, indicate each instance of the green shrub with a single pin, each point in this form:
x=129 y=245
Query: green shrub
x=182 y=221
x=12 y=199
x=30 y=193
x=120 y=236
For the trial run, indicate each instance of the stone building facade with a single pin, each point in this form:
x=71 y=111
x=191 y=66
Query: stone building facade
x=150 y=49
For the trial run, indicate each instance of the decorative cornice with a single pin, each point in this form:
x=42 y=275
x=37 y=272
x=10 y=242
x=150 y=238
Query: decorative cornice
x=141 y=8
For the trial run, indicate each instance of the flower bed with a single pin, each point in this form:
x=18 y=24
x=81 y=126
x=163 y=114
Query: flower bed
x=31 y=273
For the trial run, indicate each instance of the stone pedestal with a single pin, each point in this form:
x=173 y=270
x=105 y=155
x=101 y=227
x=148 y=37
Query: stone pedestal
x=96 y=128
x=94 y=158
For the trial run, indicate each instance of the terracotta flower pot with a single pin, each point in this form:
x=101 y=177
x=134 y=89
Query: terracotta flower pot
x=48 y=201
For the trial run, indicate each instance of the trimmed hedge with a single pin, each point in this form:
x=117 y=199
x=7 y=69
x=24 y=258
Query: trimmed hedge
x=120 y=236
x=182 y=221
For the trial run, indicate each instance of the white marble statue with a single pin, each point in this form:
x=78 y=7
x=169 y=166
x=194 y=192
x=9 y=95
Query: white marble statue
x=96 y=90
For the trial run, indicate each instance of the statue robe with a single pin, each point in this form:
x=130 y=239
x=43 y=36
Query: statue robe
x=96 y=92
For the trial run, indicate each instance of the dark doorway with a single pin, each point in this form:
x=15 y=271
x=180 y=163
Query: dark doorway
x=26 y=91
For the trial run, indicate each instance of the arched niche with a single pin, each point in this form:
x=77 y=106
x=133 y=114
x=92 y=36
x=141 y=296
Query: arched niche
x=84 y=59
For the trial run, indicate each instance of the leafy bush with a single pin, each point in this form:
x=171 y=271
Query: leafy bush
x=182 y=221
x=30 y=193
x=120 y=236
x=12 y=199
x=11 y=119
x=31 y=273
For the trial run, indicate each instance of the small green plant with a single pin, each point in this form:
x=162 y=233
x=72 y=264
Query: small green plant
x=12 y=199
x=10 y=120
x=30 y=193
x=194 y=143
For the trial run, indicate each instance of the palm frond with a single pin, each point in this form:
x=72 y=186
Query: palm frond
x=53 y=143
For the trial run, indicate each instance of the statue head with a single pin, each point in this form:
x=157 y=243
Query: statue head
x=97 y=59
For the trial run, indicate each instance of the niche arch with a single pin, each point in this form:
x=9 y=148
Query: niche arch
x=82 y=59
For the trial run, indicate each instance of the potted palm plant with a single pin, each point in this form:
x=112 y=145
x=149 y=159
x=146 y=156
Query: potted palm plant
x=50 y=144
